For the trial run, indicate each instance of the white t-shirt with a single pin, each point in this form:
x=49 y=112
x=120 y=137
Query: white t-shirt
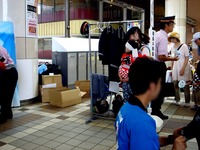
x=145 y=51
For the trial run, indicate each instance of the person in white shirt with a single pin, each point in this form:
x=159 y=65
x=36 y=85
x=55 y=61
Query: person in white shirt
x=181 y=69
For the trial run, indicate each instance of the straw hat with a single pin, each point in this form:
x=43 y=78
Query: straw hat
x=174 y=35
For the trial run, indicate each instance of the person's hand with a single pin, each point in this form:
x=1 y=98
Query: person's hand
x=182 y=72
x=179 y=143
x=188 y=83
x=177 y=132
x=169 y=68
x=175 y=58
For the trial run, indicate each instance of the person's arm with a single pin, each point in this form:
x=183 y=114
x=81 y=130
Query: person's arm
x=163 y=141
x=178 y=144
x=145 y=51
x=165 y=58
x=184 y=48
x=182 y=71
x=162 y=52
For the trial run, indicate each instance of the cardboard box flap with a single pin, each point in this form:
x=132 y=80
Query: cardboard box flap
x=83 y=93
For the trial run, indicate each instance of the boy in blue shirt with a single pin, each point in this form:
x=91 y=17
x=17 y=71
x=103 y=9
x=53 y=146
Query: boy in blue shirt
x=136 y=130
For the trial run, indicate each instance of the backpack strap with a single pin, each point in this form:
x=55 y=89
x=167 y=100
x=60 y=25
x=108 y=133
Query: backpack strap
x=180 y=46
x=144 y=46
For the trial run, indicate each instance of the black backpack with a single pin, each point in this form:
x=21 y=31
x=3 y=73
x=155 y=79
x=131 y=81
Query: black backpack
x=118 y=102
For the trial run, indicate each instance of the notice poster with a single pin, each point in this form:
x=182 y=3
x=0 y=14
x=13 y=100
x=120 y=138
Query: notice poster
x=31 y=18
x=133 y=24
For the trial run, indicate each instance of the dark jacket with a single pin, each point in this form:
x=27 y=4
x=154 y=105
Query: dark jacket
x=104 y=45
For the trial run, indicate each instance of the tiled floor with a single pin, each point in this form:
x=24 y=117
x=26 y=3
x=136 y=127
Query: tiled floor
x=43 y=127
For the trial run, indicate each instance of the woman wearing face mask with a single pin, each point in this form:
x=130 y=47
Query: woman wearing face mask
x=181 y=68
x=135 y=46
x=134 y=36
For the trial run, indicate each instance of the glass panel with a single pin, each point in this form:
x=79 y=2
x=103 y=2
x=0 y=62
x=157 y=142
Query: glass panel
x=45 y=48
x=112 y=12
x=48 y=11
x=39 y=10
x=133 y=15
x=84 y=9
x=59 y=10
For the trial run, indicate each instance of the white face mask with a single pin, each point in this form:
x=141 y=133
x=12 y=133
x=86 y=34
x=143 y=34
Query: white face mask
x=128 y=46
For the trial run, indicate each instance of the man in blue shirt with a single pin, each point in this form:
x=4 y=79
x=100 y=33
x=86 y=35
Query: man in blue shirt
x=136 y=130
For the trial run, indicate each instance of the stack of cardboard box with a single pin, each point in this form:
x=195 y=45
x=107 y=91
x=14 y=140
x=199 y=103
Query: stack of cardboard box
x=56 y=94
x=49 y=82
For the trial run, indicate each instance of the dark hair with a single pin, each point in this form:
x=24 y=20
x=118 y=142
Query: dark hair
x=145 y=39
x=143 y=72
x=162 y=24
x=132 y=31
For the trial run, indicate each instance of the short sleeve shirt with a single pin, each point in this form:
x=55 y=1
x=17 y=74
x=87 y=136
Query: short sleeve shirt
x=161 y=39
x=136 y=130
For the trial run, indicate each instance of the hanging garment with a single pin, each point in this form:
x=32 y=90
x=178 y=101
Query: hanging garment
x=99 y=88
x=104 y=45
x=117 y=48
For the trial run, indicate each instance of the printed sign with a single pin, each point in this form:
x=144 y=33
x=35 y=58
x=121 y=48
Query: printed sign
x=31 y=18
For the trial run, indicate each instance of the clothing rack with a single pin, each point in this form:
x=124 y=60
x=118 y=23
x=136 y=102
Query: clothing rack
x=101 y=25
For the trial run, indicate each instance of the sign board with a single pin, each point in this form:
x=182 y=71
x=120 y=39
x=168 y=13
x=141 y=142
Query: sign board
x=31 y=18
x=191 y=21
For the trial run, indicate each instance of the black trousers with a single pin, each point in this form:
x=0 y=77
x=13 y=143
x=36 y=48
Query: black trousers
x=156 y=104
x=192 y=130
x=8 y=81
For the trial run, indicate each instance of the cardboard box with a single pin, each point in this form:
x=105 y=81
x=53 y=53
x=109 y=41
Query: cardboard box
x=44 y=91
x=65 y=97
x=84 y=85
x=49 y=79
x=45 y=94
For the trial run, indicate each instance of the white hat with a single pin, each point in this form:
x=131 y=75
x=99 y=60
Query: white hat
x=196 y=36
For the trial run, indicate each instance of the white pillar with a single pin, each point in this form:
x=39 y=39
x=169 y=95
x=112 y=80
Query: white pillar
x=26 y=46
x=177 y=8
